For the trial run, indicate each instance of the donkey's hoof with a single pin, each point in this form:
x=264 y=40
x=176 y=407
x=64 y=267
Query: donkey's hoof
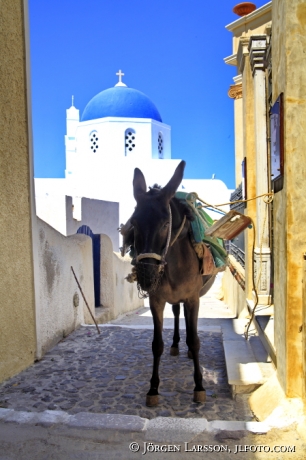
x=151 y=400
x=189 y=354
x=199 y=396
x=174 y=351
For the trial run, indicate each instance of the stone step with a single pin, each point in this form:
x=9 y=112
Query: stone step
x=102 y=315
x=247 y=363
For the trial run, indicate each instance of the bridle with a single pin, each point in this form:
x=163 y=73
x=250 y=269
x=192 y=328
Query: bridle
x=159 y=268
x=162 y=258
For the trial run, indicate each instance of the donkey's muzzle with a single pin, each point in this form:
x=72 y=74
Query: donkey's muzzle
x=149 y=275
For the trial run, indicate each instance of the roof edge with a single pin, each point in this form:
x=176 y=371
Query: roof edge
x=249 y=17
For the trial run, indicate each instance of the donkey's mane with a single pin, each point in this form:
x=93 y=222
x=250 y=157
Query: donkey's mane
x=181 y=204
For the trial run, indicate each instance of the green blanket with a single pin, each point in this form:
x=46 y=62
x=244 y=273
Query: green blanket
x=201 y=222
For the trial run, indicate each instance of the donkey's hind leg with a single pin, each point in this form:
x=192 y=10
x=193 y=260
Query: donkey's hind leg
x=189 y=354
x=174 y=350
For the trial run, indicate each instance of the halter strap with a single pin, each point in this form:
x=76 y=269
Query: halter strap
x=148 y=255
x=153 y=255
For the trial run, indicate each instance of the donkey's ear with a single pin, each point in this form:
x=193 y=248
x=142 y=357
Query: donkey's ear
x=169 y=190
x=139 y=184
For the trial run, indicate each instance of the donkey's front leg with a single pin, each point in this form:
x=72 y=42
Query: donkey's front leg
x=157 y=309
x=174 y=350
x=191 y=310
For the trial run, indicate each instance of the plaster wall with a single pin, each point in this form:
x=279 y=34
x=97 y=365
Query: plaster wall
x=116 y=293
x=17 y=302
x=67 y=215
x=249 y=150
x=126 y=294
x=239 y=154
x=101 y=216
x=52 y=208
x=289 y=69
x=234 y=295
x=61 y=306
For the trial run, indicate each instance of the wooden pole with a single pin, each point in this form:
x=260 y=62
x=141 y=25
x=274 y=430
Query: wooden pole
x=85 y=301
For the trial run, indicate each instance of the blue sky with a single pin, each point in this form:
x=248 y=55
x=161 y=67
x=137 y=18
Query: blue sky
x=171 y=50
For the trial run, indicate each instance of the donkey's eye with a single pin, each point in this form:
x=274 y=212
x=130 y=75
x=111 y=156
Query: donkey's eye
x=166 y=225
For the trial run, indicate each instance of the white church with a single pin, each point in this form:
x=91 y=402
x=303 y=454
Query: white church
x=119 y=129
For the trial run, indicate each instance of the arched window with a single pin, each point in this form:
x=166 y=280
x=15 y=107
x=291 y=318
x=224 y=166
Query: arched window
x=130 y=140
x=93 y=140
x=160 y=145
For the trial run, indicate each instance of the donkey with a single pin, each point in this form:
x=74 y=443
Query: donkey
x=168 y=269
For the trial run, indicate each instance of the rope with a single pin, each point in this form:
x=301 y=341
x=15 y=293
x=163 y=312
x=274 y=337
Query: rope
x=268 y=199
x=179 y=231
x=255 y=285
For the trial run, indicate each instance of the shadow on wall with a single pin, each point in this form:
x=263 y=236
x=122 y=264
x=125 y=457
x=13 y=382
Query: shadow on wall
x=60 y=308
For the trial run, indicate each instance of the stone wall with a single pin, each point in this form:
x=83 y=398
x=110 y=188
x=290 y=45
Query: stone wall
x=17 y=309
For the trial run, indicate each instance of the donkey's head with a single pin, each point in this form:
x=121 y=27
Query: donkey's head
x=151 y=221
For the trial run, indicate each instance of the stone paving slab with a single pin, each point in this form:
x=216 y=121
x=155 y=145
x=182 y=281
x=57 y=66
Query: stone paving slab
x=110 y=373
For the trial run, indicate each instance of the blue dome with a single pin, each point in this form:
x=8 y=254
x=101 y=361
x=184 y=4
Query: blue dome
x=120 y=101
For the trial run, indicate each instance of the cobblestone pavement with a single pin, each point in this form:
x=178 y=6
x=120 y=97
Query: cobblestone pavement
x=110 y=373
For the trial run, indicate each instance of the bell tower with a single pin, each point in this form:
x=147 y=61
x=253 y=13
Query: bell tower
x=72 y=121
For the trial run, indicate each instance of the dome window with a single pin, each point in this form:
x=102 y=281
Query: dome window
x=93 y=138
x=160 y=145
x=130 y=136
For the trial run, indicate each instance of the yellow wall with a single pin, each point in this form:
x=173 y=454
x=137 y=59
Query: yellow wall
x=249 y=149
x=17 y=323
x=289 y=70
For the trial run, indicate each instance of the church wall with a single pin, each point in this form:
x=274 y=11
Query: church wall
x=17 y=301
x=61 y=306
x=165 y=131
x=111 y=133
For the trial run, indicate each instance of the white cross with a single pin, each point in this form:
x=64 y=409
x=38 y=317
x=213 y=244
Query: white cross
x=120 y=75
x=72 y=100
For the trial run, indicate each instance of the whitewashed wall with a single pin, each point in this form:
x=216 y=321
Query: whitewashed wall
x=67 y=215
x=116 y=293
x=60 y=307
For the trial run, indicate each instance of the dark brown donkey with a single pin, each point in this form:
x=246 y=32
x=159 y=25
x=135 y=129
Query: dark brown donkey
x=168 y=269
